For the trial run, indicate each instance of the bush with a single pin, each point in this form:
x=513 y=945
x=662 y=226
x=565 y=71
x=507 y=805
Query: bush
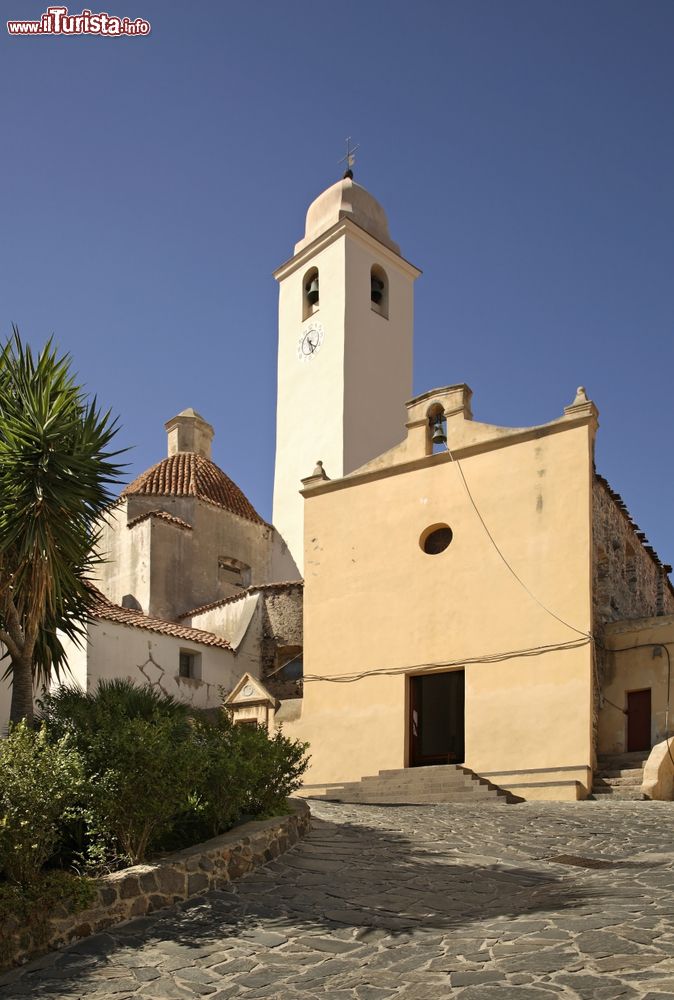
x=135 y=748
x=40 y=782
x=219 y=792
x=243 y=772
x=80 y=713
x=159 y=779
x=141 y=777
x=271 y=769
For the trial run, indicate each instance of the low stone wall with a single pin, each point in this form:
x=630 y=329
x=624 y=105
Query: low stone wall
x=142 y=889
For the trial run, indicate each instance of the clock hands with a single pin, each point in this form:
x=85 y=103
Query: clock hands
x=310 y=343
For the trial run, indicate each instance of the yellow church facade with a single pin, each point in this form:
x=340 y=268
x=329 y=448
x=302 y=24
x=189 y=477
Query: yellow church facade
x=476 y=651
x=454 y=583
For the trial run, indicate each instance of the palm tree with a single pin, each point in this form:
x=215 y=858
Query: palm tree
x=55 y=474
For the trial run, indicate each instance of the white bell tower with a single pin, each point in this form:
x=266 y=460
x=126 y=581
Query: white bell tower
x=345 y=348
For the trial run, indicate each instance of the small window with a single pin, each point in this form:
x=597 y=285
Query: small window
x=436 y=539
x=248 y=723
x=233 y=571
x=310 y=293
x=189 y=665
x=289 y=665
x=379 y=290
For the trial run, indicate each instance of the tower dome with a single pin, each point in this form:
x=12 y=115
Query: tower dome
x=346 y=200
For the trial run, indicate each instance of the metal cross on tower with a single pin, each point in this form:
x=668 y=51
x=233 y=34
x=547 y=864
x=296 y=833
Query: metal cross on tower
x=350 y=157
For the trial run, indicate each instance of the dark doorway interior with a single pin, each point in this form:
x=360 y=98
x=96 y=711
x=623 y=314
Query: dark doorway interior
x=437 y=718
x=639 y=720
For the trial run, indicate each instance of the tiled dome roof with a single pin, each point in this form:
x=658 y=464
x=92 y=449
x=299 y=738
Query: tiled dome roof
x=188 y=474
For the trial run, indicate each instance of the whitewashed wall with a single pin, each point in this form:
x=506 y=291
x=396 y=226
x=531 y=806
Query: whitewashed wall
x=145 y=657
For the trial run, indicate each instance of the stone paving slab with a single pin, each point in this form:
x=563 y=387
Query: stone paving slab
x=420 y=903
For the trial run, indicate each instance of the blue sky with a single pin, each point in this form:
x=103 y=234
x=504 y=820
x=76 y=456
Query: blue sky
x=524 y=152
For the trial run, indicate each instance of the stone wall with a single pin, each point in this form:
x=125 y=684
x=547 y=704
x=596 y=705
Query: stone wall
x=281 y=638
x=145 y=888
x=629 y=581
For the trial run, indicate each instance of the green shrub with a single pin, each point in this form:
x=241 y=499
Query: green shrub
x=141 y=777
x=158 y=779
x=238 y=772
x=40 y=783
x=135 y=747
x=271 y=769
x=69 y=709
x=219 y=792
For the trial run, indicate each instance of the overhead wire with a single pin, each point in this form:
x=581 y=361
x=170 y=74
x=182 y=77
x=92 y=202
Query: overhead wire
x=443 y=664
x=503 y=558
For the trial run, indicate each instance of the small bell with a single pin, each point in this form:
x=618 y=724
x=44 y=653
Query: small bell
x=311 y=288
x=439 y=436
x=376 y=290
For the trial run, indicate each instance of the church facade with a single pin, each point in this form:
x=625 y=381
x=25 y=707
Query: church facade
x=433 y=589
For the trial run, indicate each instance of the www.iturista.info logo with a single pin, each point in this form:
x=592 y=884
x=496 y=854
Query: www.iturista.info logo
x=57 y=21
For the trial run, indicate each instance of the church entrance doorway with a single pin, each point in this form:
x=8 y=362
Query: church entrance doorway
x=639 y=720
x=437 y=718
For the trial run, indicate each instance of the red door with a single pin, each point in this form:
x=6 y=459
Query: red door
x=639 y=720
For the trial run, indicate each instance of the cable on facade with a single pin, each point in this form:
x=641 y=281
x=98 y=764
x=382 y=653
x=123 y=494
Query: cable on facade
x=438 y=666
x=521 y=582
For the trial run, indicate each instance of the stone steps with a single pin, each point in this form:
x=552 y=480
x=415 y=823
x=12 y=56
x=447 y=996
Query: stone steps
x=636 y=759
x=419 y=786
x=635 y=778
x=610 y=794
x=619 y=776
x=628 y=773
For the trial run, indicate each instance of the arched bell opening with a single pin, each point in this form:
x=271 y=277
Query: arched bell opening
x=310 y=293
x=436 y=430
x=379 y=290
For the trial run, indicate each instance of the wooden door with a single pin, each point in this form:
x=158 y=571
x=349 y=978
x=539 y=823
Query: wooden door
x=639 y=720
x=437 y=718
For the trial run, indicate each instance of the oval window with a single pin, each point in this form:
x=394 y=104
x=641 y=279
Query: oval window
x=436 y=539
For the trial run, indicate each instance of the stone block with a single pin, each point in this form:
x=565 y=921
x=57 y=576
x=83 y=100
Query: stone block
x=138 y=907
x=107 y=895
x=238 y=866
x=156 y=901
x=170 y=880
x=197 y=882
x=130 y=887
x=148 y=882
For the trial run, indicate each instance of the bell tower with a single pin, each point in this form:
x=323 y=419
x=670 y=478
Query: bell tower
x=345 y=348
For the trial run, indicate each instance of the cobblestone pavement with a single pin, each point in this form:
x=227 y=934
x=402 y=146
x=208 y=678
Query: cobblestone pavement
x=469 y=901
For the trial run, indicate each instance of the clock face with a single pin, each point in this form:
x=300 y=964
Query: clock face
x=310 y=342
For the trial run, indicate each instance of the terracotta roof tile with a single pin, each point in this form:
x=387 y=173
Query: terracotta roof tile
x=162 y=515
x=237 y=597
x=105 y=610
x=187 y=474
